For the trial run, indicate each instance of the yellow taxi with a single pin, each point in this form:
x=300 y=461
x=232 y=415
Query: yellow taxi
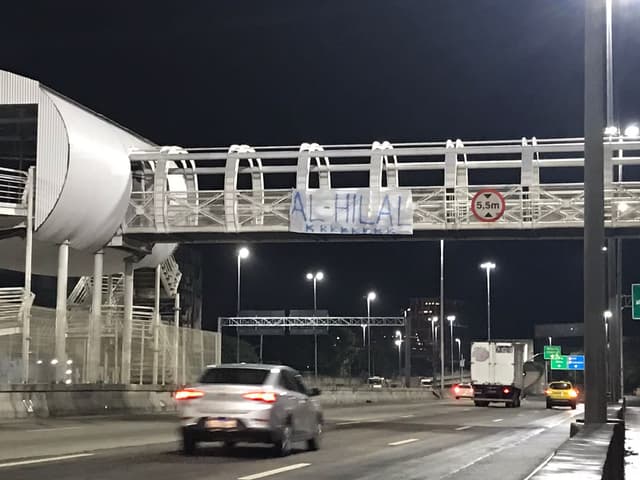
x=561 y=393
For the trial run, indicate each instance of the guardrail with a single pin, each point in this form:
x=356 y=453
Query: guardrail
x=13 y=185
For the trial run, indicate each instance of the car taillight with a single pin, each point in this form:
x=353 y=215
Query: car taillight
x=266 y=397
x=188 y=394
x=547 y=391
x=456 y=389
x=505 y=390
x=573 y=393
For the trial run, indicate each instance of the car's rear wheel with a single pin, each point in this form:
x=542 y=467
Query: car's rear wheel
x=229 y=444
x=189 y=444
x=573 y=406
x=282 y=446
x=549 y=405
x=479 y=403
x=457 y=398
x=314 y=442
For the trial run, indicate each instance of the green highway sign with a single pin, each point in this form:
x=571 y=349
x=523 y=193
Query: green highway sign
x=552 y=351
x=560 y=363
x=635 y=301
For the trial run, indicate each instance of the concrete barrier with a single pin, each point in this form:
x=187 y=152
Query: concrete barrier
x=594 y=452
x=22 y=401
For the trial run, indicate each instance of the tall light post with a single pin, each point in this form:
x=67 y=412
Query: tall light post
x=371 y=296
x=488 y=266
x=451 y=318
x=595 y=53
x=398 y=343
x=315 y=278
x=458 y=342
x=243 y=253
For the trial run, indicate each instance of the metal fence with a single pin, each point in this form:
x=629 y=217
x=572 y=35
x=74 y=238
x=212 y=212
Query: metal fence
x=181 y=355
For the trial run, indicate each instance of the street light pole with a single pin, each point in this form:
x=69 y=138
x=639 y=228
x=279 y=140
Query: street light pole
x=315 y=278
x=459 y=357
x=242 y=254
x=370 y=297
x=451 y=318
x=488 y=266
x=442 y=310
x=398 y=343
x=594 y=277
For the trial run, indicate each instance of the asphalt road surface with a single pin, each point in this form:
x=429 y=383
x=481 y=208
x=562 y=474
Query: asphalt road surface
x=436 y=440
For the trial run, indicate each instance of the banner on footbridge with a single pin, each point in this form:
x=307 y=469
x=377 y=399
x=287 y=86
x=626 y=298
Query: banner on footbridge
x=359 y=211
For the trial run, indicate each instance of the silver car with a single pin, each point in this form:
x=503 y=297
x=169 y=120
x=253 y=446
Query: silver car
x=250 y=403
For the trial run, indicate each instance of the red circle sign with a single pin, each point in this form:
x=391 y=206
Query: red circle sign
x=488 y=205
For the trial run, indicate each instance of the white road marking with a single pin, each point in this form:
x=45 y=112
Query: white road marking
x=540 y=467
x=348 y=423
x=407 y=416
x=535 y=432
x=276 y=471
x=52 y=429
x=497 y=420
x=466 y=409
x=403 y=442
x=44 y=460
x=466 y=427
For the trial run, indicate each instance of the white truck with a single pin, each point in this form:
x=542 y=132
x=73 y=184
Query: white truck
x=497 y=372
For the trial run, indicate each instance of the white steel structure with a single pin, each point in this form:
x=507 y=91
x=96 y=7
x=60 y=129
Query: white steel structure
x=65 y=186
x=542 y=185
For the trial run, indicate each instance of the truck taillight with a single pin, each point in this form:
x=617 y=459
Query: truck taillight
x=188 y=394
x=506 y=390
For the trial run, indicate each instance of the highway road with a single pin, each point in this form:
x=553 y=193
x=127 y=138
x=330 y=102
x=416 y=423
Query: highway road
x=437 y=440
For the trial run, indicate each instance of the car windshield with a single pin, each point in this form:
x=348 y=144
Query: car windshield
x=560 y=386
x=235 y=376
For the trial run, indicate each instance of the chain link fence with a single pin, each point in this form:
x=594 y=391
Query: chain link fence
x=181 y=355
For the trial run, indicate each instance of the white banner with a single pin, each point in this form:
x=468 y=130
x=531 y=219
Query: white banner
x=358 y=211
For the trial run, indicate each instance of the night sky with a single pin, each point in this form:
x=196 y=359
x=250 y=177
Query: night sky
x=213 y=73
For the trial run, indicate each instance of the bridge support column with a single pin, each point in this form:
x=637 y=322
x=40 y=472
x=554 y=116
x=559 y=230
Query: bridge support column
x=127 y=328
x=61 y=311
x=156 y=325
x=94 y=346
x=28 y=262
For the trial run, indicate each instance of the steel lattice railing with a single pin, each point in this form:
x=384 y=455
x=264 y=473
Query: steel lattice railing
x=542 y=206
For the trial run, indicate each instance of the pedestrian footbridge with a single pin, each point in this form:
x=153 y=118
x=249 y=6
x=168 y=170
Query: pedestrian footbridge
x=246 y=190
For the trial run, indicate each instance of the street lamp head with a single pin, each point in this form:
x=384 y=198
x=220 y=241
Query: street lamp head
x=611 y=131
x=243 y=252
x=451 y=318
x=632 y=130
x=488 y=265
x=309 y=276
x=371 y=296
x=458 y=341
x=398 y=342
x=398 y=333
x=319 y=276
x=433 y=319
x=608 y=314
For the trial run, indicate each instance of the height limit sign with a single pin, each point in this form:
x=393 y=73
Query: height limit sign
x=488 y=205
